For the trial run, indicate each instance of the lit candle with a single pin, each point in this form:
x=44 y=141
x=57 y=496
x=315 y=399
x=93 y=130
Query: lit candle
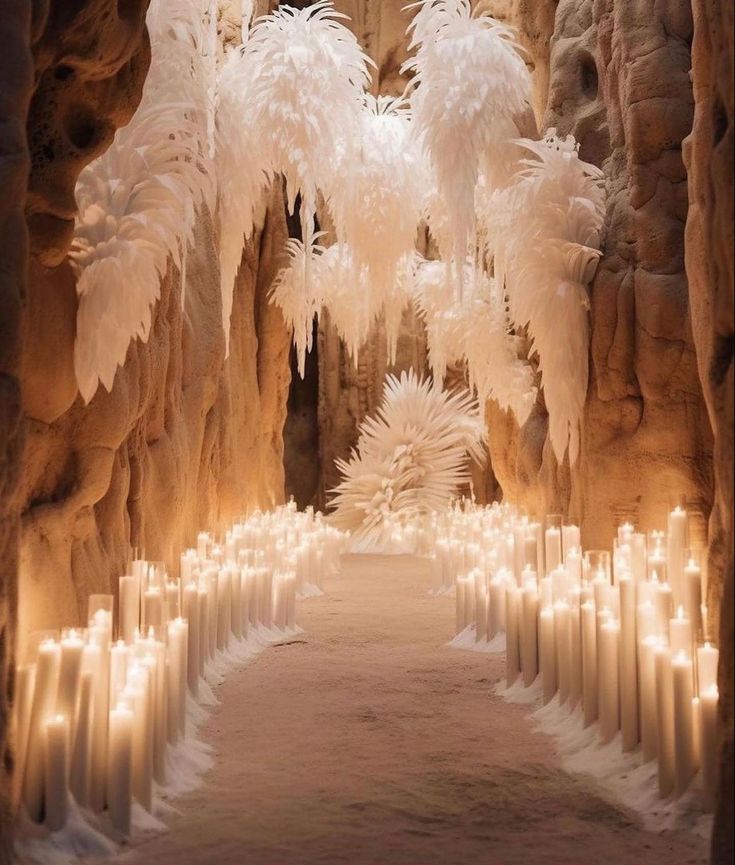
x=664 y=719
x=628 y=664
x=676 y=552
x=70 y=671
x=152 y=609
x=291 y=606
x=684 y=756
x=575 y=676
x=552 y=548
x=707 y=659
x=496 y=610
x=693 y=597
x=173 y=602
x=236 y=601
x=224 y=606
x=638 y=556
x=664 y=607
x=563 y=636
x=459 y=600
x=100 y=634
x=547 y=652
x=176 y=652
x=57 y=772
x=191 y=614
x=81 y=757
x=559 y=584
x=202 y=545
x=119 y=768
x=42 y=707
x=680 y=633
x=137 y=696
x=571 y=541
x=609 y=685
x=25 y=677
x=573 y=566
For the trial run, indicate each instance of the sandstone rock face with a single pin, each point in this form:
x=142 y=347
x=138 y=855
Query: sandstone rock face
x=709 y=263
x=16 y=82
x=185 y=439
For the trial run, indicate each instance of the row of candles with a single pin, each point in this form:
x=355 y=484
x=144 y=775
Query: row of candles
x=97 y=708
x=621 y=634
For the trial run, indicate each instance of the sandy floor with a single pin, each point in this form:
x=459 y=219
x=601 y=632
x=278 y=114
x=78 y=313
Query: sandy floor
x=371 y=743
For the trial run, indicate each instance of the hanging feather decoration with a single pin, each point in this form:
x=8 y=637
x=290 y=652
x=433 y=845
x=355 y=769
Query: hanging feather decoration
x=411 y=459
x=377 y=192
x=303 y=98
x=138 y=202
x=545 y=230
x=474 y=331
x=238 y=159
x=470 y=85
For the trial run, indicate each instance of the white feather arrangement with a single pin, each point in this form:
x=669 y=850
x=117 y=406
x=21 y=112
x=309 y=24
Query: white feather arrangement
x=307 y=75
x=411 y=459
x=545 y=230
x=471 y=85
x=243 y=167
x=474 y=330
x=377 y=192
x=138 y=202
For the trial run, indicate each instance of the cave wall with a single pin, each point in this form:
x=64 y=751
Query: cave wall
x=708 y=153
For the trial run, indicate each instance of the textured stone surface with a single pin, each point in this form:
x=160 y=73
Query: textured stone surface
x=16 y=79
x=709 y=263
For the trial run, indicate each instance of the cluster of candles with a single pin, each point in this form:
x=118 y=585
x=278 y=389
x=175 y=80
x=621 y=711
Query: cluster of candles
x=619 y=635
x=96 y=709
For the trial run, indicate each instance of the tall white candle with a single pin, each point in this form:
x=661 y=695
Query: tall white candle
x=677 y=543
x=100 y=633
x=638 y=556
x=129 y=607
x=547 y=652
x=81 y=756
x=575 y=679
x=70 y=671
x=680 y=633
x=684 y=755
x=42 y=707
x=529 y=647
x=609 y=685
x=25 y=677
x=628 y=664
x=56 y=772
x=513 y=652
x=647 y=673
x=119 y=767
x=708 y=702
x=223 y=609
x=707 y=660
x=571 y=540
x=152 y=609
x=552 y=546
x=693 y=597
x=563 y=632
x=119 y=654
x=665 y=719
x=190 y=596
x=496 y=612
x=136 y=696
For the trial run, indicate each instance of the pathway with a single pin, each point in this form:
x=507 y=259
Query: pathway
x=371 y=743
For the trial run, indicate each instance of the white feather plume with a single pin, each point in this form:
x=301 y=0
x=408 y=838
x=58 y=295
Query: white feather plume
x=545 y=230
x=411 y=459
x=377 y=191
x=471 y=84
x=138 y=202
x=474 y=330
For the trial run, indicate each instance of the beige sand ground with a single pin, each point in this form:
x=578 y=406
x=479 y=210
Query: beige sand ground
x=371 y=743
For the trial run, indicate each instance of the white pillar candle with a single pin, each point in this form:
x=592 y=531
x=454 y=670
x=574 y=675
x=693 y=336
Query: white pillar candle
x=190 y=596
x=646 y=621
x=684 y=755
x=547 y=652
x=708 y=702
x=575 y=679
x=512 y=654
x=236 y=602
x=481 y=607
x=119 y=768
x=203 y=606
x=647 y=704
x=100 y=633
x=459 y=605
x=496 y=611
x=559 y=585
x=552 y=547
x=81 y=755
x=70 y=671
x=529 y=642
x=563 y=632
x=707 y=659
x=664 y=608
x=176 y=658
x=128 y=607
x=152 y=609
x=693 y=598
x=628 y=664
x=173 y=600
x=677 y=543
x=291 y=607
x=212 y=577
x=638 y=556
x=136 y=696
x=203 y=545
x=42 y=707
x=56 y=772
x=571 y=541
x=573 y=566
x=609 y=684
x=223 y=609
x=680 y=633
x=602 y=590
x=119 y=654
x=665 y=720
x=25 y=677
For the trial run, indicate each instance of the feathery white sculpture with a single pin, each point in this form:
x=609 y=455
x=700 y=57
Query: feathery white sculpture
x=545 y=230
x=471 y=84
x=138 y=202
x=474 y=330
x=411 y=459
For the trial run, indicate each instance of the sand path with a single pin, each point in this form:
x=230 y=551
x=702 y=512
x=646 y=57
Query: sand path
x=371 y=743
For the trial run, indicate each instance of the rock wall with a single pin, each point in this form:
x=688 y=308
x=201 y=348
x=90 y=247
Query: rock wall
x=709 y=262
x=16 y=81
